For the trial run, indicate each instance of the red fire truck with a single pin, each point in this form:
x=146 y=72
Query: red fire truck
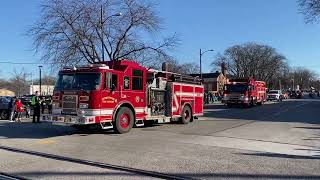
x=247 y=92
x=123 y=94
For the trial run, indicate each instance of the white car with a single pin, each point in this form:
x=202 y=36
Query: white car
x=275 y=95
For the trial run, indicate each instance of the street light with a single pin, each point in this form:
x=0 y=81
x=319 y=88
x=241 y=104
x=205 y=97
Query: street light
x=102 y=23
x=202 y=53
x=293 y=84
x=40 y=78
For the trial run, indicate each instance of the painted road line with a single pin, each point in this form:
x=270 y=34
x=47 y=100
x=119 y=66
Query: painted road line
x=46 y=141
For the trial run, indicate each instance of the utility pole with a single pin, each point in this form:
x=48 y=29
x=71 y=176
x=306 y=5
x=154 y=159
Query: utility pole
x=201 y=54
x=31 y=88
x=102 y=44
x=40 y=79
x=280 y=85
x=200 y=64
x=293 y=84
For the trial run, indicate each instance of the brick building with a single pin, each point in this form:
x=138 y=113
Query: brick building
x=214 y=82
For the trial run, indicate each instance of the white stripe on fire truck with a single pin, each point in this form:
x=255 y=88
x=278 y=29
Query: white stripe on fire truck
x=189 y=85
x=176 y=107
x=139 y=110
x=189 y=94
x=98 y=112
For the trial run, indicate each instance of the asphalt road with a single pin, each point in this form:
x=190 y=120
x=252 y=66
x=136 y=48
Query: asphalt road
x=277 y=140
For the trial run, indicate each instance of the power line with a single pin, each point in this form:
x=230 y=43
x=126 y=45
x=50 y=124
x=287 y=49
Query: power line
x=8 y=62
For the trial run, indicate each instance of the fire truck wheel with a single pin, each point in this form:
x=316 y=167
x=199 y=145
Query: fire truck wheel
x=260 y=103
x=124 y=120
x=186 y=115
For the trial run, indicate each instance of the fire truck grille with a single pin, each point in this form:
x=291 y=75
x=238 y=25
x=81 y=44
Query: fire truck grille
x=69 y=104
x=234 y=97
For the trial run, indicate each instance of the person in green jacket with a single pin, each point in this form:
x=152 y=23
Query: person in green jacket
x=35 y=103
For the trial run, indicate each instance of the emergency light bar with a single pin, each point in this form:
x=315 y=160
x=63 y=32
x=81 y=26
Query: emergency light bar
x=100 y=66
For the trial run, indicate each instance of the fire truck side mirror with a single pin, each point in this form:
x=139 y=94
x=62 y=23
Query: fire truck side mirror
x=113 y=87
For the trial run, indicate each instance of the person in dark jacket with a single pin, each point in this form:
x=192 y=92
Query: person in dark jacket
x=12 y=109
x=50 y=105
x=43 y=105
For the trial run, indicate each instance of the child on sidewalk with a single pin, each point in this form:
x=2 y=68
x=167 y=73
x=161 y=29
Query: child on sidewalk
x=19 y=110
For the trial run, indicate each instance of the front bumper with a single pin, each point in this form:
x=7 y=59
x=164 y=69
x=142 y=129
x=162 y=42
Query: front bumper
x=236 y=101
x=69 y=120
x=273 y=98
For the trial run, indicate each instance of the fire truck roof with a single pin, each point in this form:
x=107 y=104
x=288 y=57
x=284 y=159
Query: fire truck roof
x=120 y=65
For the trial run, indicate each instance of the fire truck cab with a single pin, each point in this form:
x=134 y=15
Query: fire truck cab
x=246 y=92
x=123 y=94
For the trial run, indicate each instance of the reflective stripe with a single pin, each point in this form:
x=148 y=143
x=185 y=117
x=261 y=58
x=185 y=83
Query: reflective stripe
x=139 y=110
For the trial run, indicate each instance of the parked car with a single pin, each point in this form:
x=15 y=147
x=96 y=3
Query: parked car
x=275 y=95
x=26 y=100
x=4 y=107
x=295 y=94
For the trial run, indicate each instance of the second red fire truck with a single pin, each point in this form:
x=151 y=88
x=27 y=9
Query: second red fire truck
x=246 y=92
x=123 y=94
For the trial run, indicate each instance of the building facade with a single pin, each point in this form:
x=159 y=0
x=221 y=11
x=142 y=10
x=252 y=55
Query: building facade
x=5 y=92
x=214 y=82
x=45 y=89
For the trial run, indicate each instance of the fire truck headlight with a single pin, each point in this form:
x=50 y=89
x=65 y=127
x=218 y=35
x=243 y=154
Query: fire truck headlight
x=242 y=96
x=225 y=97
x=81 y=112
x=83 y=105
x=55 y=105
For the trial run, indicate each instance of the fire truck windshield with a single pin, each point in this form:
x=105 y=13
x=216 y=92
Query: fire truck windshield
x=236 y=87
x=78 y=81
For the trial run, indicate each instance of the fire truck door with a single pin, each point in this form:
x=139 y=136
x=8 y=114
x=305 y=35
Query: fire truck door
x=110 y=94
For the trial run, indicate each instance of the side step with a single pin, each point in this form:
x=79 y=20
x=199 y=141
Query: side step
x=106 y=125
x=139 y=123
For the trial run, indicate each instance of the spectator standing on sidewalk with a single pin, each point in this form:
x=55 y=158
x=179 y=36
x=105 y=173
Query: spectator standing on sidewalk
x=35 y=102
x=43 y=105
x=27 y=108
x=19 y=110
x=12 y=109
x=49 y=105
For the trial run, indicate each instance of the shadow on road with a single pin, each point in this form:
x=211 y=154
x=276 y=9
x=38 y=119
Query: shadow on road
x=42 y=130
x=275 y=155
x=301 y=110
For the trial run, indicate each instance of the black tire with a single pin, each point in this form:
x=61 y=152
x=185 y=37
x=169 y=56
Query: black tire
x=229 y=105
x=186 y=115
x=252 y=103
x=4 y=115
x=124 y=120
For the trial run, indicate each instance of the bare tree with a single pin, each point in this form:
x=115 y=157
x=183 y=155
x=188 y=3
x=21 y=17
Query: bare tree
x=252 y=60
x=80 y=31
x=18 y=83
x=46 y=80
x=311 y=10
x=303 y=77
x=182 y=68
